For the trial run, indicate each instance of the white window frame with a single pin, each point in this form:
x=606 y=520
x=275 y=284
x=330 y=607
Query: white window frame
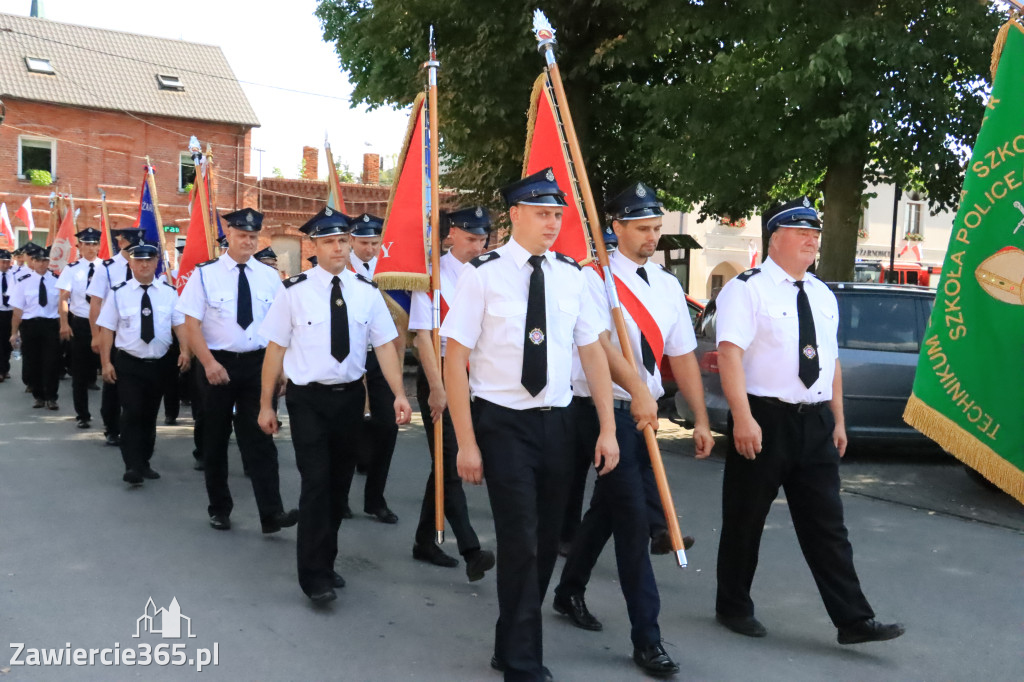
x=185 y=156
x=913 y=218
x=53 y=153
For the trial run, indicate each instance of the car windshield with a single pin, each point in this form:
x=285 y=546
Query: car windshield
x=879 y=322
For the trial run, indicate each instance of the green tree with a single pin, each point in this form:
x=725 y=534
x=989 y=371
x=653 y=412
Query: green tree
x=732 y=104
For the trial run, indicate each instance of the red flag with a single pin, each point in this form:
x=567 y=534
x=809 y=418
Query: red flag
x=403 y=258
x=25 y=213
x=196 y=249
x=63 y=249
x=752 y=252
x=544 y=147
x=105 y=251
x=6 y=229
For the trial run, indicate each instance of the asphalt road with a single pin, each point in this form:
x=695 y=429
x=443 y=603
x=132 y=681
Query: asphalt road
x=80 y=555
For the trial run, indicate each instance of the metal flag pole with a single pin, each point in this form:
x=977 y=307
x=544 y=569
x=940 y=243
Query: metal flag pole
x=546 y=45
x=151 y=181
x=432 y=66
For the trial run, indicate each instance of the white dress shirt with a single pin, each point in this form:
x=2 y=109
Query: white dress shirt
x=759 y=315
x=75 y=280
x=8 y=278
x=26 y=295
x=122 y=313
x=364 y=268
x=421 y=311
x=211 y=297
x=115 y=271
x=300 y=321
x=488 y=315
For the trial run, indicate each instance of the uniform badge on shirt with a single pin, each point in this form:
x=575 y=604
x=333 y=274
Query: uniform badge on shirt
x=536 y=337
x=809 y=352
x=146 y=312
x=339 y=302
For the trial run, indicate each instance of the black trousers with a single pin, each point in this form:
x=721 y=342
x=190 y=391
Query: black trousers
x=619 y=507
x=110 y=410
x=377 y=434
x=171 y=395
x=455 y=507
x=40 y=349
x=259 y=455
x=527 y=465
x=797 y=453
x=6 y=317
x=140 y=387
x=323 y=420
x=84 y=363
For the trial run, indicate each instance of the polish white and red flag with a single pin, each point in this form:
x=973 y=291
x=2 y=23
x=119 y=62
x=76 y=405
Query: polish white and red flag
x=25 y=213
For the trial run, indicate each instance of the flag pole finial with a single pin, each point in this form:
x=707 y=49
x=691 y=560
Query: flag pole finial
x=545 y=34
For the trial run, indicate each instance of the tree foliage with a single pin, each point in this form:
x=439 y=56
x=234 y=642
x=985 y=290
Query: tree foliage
x=729 y=104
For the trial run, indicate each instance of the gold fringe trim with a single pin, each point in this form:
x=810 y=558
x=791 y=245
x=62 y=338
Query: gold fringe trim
x=407 y=281
x=531 y=121
x=398 y=314
x=965 y=447
x=997 y=48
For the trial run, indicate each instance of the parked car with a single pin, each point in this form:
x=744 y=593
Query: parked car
x=881 y=327
x=668 y=381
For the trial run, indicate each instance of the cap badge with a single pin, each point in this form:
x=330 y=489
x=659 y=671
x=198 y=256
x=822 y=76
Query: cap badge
x=366 y=218
x=640 y=191
x=248 y=218
x=536 y=337
x=328 y=211
x=550 y=176
x=807 y=202
x=809 y=352
x=479 y=212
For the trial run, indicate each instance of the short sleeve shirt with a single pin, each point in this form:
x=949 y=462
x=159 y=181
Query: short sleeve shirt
x=421 y=313
x=122 y=313
x=75 y=280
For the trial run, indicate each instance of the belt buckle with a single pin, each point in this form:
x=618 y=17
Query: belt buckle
x=803 y=408
x=544 y=409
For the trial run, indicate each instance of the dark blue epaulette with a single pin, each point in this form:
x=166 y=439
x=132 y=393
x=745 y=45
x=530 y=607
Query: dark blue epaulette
x=368 y=281
x=291 y=281
x=744 y=276
x=214 y=260
x=71 y=265
x=108 y=262
x=24 y=277
x=118 y=286
x=168 y=284
x=567 y=259
x=485 y=258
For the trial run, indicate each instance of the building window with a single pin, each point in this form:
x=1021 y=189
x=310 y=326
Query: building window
x=717 y=282
x=169 y=82
x=912 y=219
x=39 y=65
x=186 y=172
x=37 y=153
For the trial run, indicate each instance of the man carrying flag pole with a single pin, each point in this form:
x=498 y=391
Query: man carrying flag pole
x=960 y=397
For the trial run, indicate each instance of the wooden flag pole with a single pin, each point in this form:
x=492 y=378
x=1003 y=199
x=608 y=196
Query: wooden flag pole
x=546 y=41
x=435 y=280
x=200 y=186
x=106 y=221
x=151 y=180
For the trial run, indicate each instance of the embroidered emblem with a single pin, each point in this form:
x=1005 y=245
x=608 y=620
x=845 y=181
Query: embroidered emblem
x=479 y=212
x=536 y=337
x=640 y=191
x=146 y=312
x=807 y=202
x=809 y=352
x=248 y=218
x=294 y=279
x=328 y=212
x=339 y=302
x=550 y=176
x=366 y=218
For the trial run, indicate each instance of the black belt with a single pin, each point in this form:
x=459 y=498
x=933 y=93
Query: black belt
x=125 y=355
x=799 y=408
x=546 y=408
x=233 y=354
x=616 y=403
x=316 y=386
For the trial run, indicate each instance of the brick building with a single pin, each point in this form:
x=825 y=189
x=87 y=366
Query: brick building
x=87 y=106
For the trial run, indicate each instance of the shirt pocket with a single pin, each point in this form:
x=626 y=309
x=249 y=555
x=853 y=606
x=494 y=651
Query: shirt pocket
x=508 y=319
x=829 y=320
x=223 y=305
x=782 y=321
x=309 y=324
x=568 y=313
x=129 y=326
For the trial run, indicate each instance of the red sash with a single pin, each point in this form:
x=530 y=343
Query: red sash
x=644 y=320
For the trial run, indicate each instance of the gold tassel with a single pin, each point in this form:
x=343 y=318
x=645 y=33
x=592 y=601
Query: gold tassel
x=965 y=447
x=531 y=121
x=997 y=48
x=407 y=281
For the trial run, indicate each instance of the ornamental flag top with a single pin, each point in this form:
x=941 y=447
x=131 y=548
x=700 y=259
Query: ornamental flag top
x=967 y=396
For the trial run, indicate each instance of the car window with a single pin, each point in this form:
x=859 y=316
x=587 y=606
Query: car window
x=879 y=321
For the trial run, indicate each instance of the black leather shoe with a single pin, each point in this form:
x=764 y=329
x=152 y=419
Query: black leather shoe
x=220 y=522
x=132 y=477
x=51 y=404
x=281 y=520
x=324 y=596
x=82 y=423
x=661 y=543
x=478 y=562
x=576 y=608
x=563 y=548
x=744 y=625
x=654 y=660
x=339 y=582
x=111 y=440
x=37 y=404
x=149 y=473
x=499 y=665
x=432 y=554
x=869 y=630
x=384 y=515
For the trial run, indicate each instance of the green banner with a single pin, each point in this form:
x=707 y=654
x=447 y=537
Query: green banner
x=969 y=387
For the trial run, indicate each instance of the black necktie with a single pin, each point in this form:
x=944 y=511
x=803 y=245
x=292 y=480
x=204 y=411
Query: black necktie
x=339 y=322
x=6 y=298
x=535 y=355
x=244 y=315
x=42 y=291
x=367 y=266
x=88 y=280
x=646 y=352
x=808 y=339
x=147 y=315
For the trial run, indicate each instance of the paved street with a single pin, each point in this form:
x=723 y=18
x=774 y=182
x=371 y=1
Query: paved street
x=80 y=555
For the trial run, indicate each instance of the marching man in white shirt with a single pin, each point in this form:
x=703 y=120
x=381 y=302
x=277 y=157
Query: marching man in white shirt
x=35 y=317
x=318 y=330
x=74 y=320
